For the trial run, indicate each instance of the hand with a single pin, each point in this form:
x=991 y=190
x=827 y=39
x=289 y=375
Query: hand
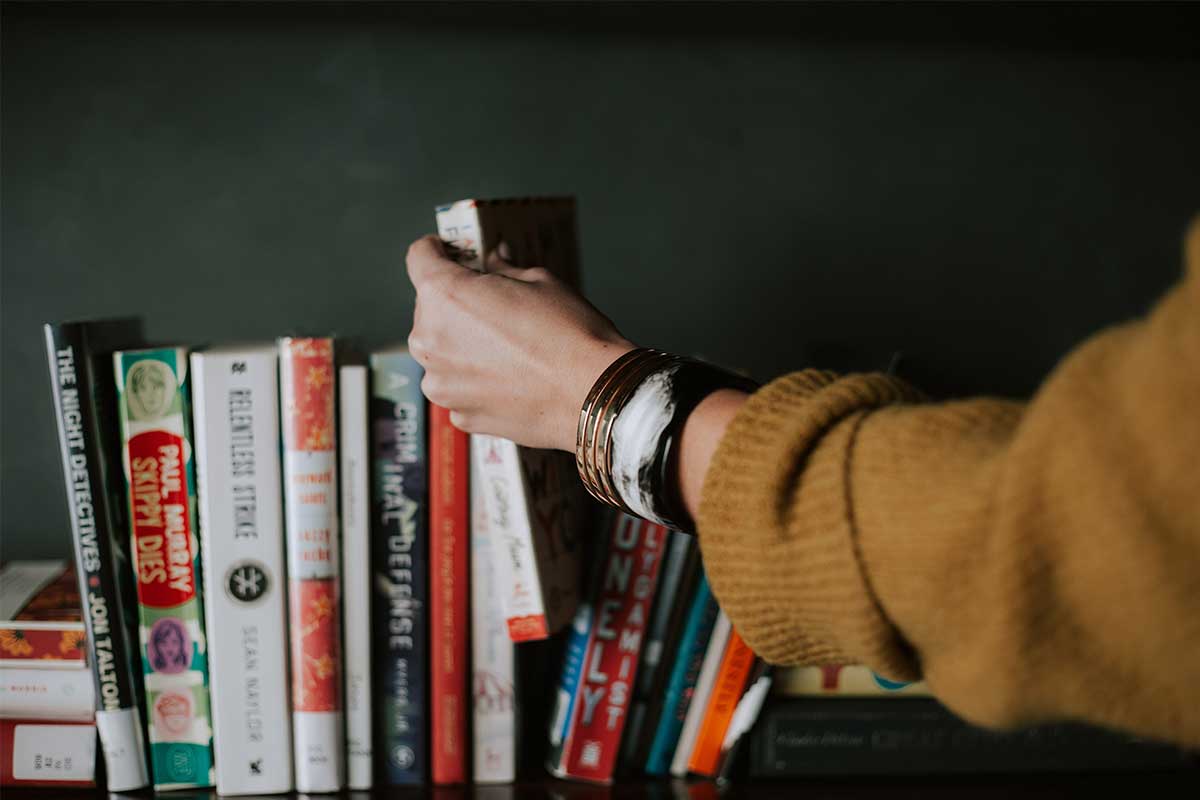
x=511 y=352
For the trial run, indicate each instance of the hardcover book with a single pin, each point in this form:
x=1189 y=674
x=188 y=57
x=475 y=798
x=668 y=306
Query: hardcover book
x=236 y=409
x=621 y=608
x=41 y=616
x=154 y=401
x=805 y=737
x=736 y=667
x=533 y=497
x=355 y=482
x=310 y=490
x=400 y=564
x=449 y=611
x=81 y=379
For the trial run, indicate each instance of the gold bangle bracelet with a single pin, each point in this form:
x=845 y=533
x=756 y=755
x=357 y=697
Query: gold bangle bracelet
x=586 y=431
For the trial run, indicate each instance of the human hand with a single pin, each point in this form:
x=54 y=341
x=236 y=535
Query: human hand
x=511 y=352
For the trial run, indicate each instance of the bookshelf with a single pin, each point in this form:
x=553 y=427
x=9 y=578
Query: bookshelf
x=155 y=199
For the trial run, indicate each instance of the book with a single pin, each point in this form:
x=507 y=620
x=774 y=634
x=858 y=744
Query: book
x=680 y=568
x=41 y=616
x=81 y=379
x=65 y=695
x=400 y=565
x=698 y=705
x=47 y=754
x=685 y=671
x=310 y=491
x=493 y=690
x=354 y=480
x=842 y=680
x=448 y=605
x=736 y=666
x=235 y=396
x=621 y=607
x=745 y=717
x=153 y=397
x=806 y=737
x=534 y=498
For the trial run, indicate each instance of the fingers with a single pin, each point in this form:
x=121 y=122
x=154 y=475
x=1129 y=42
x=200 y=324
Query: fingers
x=426 y=261
x=497 y=264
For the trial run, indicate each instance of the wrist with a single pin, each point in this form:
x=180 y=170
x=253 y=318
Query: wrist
x=585 y=367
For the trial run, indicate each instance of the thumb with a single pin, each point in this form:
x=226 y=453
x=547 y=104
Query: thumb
x=426 y=260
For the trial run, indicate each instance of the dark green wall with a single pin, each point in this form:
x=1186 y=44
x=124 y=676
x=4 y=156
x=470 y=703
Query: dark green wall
x=766 y=188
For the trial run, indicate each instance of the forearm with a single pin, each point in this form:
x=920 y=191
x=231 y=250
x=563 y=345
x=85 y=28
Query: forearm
x=702 y=432
x=1029 y=561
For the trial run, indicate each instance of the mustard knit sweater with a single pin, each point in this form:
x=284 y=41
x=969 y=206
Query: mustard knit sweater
x=1031 y=561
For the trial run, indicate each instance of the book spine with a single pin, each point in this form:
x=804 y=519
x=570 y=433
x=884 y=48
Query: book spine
x=306 y=378
x=75 y=383
x=554 y=501
x=700 y=696
x=681 y=683
x=45 y=629
x=400 y=537
x=66 y=695
x=36 y=753
x=814 y=736
x=43 y=645
x=843 y=680
x=622 y=607
x=735 y=669
x=154 y=401
x=570 y=680
x=448 y=607
x=493 y=695
x=236 y=410
x=651 y=672
x=502 y=491
x=354 y=482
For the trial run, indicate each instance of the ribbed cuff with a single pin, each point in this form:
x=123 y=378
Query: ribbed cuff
x=776 y=525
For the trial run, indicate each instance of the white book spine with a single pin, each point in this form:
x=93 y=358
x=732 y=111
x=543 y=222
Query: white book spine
x=235 y=400
x=510 y=530
x=492 y=652
x=62 y=695
x=699 y=702
x=353 y=442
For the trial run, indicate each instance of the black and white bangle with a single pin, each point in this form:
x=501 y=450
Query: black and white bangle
x=629 y=429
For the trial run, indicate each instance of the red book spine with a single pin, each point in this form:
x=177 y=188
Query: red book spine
x=625 y=595
x=449 y=508
x=60 y=754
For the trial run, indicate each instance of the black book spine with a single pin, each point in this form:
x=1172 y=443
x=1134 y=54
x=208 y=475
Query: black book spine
x=821 y=736
x=82 y=390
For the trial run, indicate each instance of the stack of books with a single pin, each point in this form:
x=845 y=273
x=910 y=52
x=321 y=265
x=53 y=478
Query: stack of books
x=47 y=703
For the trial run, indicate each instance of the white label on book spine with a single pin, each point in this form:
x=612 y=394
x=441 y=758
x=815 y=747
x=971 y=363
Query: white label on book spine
x=123 y=742
x=54 y=752
x=494 y=694
x=356 y=566
x=241 y=528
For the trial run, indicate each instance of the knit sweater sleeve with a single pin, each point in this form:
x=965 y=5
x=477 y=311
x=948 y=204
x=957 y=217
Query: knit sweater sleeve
x=1032 y=562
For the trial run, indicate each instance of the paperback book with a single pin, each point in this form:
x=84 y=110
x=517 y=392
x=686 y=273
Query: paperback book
x=41 y=618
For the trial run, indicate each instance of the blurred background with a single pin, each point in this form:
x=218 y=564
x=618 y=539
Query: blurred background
x=977 y=187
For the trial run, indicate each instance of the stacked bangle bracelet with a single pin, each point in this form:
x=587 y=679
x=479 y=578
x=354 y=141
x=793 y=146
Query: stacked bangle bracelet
x=629 y=428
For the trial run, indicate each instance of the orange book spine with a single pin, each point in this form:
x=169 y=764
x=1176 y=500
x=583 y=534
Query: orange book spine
x=736 y=664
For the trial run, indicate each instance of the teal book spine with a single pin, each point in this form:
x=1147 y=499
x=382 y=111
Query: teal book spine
x=160 y=481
